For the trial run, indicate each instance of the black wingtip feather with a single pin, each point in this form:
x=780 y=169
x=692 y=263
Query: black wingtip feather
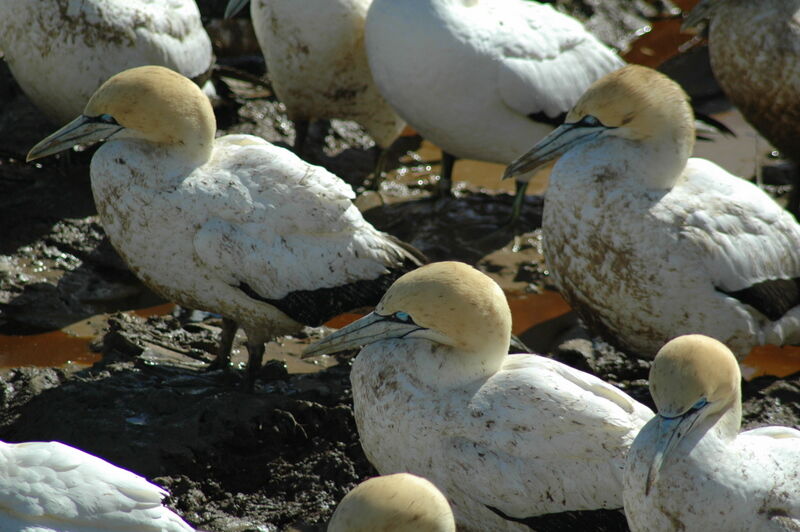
x=773 y=298
x=542 y=117
x=601 y=520
x=713 y=122
x=315 y=307
x=412 y=254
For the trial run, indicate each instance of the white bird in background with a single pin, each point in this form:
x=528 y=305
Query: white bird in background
x=690 y=468
x=52 y=487
x=393 y=503
x=481 y=78
x=755 y=55
x=234 y=225
x=317 y=64
x=61 y=51
x=505 y=438
x=647 y=243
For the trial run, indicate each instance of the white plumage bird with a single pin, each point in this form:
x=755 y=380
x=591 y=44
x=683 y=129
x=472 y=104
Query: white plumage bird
x=691 y=469
x=480 y=78
x=233 y=225
x=52 y=487
x=393 y=503
x=506 y=438
x=317 y=64
x=647 y=243
x=60 y=52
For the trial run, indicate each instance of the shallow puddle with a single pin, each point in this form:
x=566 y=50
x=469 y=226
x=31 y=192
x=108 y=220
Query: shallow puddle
x=660 y=41
x=50 y=349
x=67 y=346
x=480 y=174
x=157 y=310
x=531 y=310
x=771 y=360
x=289 y=351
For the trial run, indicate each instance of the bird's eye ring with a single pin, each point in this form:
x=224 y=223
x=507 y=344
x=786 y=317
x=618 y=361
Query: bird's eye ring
x=106 y=119
x=402 y=316
x=589 y=121
x=700 y=404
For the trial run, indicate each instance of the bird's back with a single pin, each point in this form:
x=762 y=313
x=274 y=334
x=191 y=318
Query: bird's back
x=50 y=486
x=740 y=485
x=254 y=226
x=318 y=65
x=755 y=54
x=60 y=55
x=482 y=80
x=620 y=253
x=533 y=439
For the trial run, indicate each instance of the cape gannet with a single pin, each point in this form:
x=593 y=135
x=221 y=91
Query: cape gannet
x=647 y=243
x=506 y=438
x=481 y=78
x=317 y=64
x=52 y=487
x=61 y=51
x=393 y=503
x=755 y=56
x=690 y=468
x=235 y=225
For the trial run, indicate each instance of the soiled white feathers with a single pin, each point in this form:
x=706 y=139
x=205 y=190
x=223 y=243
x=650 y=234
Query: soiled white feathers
x=436 y=394
x=232 y=225
x=61 y=51
x=647 y=243
x=318 y=64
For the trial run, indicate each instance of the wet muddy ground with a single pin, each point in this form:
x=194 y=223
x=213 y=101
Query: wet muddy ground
x=122 y=374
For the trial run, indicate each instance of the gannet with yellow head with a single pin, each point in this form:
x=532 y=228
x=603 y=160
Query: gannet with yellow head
x=317 y=63
x=480 y=78
x=647 y=243
x=52 y=487
x=61 y=51
x=393 y=503
x=690 y=468
x=755 y=55
x=506 y=438
x=234 y=225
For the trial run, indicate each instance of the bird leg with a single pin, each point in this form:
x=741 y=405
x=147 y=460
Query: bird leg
x=511 y=226
x=520 y=187
x=223 y=361
x=300 y=136
x=445 y=189
x=255 y=351
x=380 y=167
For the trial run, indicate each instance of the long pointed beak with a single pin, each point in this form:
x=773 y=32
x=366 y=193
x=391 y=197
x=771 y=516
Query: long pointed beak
x=234 y=6
x=702 y=12
x=671 y=430
x=559 y=141
x=371 y=328
x=82 y=130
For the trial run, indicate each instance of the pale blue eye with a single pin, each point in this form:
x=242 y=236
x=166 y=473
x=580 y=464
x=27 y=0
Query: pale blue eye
x=700 y=404
x=589 y=121
x=106 y=119
x=402 y=316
